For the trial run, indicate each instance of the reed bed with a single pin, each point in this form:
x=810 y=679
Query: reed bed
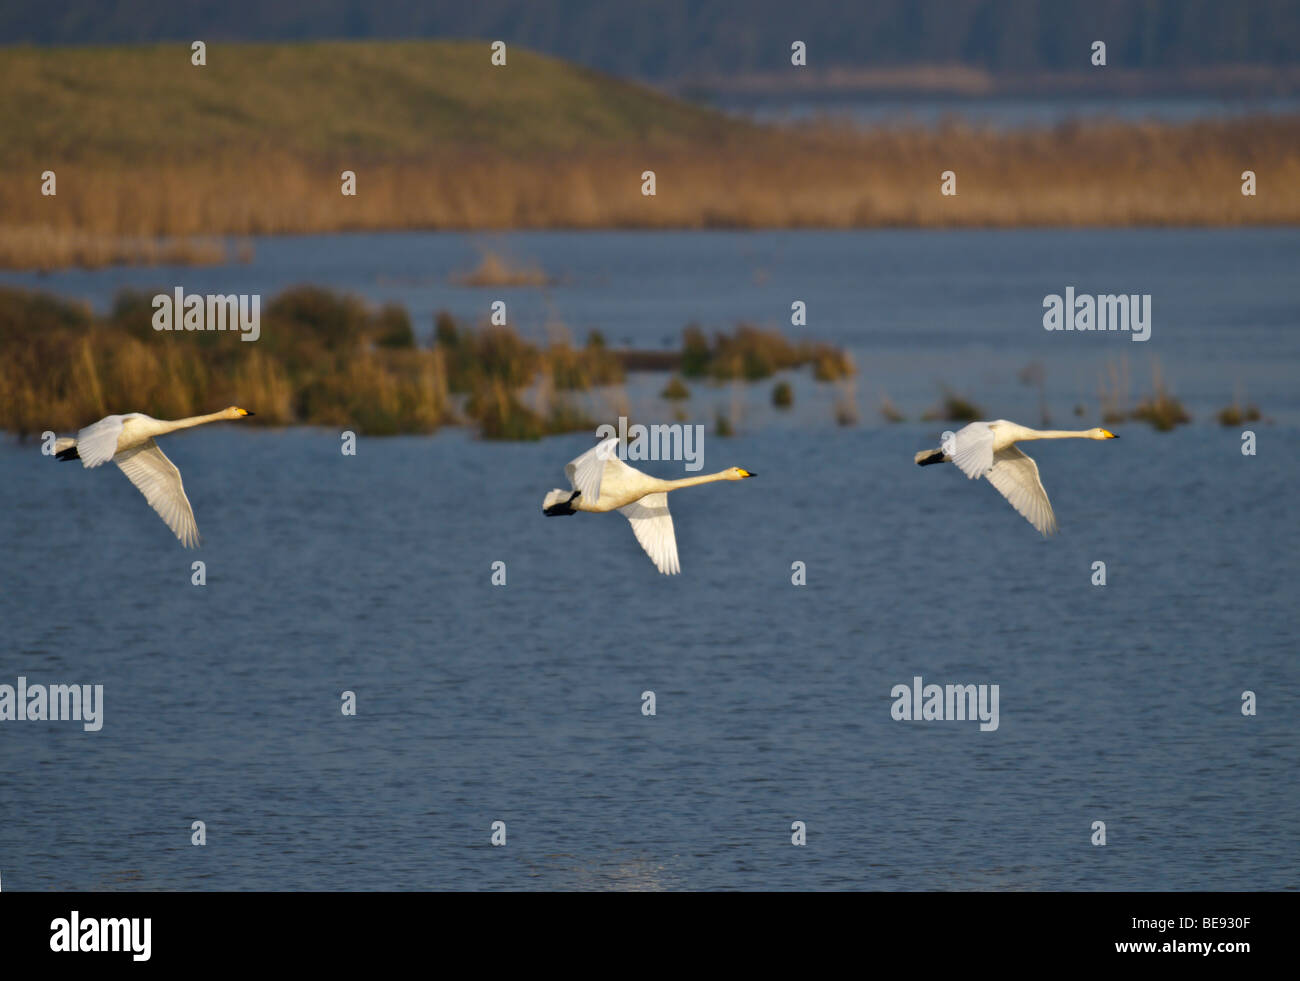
x=752 y=354
x=328 y=359
x=46 y=247
x=1098 y=174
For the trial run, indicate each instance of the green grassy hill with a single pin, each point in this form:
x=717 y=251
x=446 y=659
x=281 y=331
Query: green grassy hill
x=382 y=99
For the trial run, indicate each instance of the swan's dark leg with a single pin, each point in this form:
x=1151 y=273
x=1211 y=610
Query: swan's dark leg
x=69 y=454
x=935 y=456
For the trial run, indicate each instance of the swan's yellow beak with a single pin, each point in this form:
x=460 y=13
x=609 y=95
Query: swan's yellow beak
x=245 y=412
x=745 y=473
x=1108 y=434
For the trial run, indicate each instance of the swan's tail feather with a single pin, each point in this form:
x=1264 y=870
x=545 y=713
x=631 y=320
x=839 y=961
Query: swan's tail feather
x=927 y=457
x=65 y=448
x=559 y=502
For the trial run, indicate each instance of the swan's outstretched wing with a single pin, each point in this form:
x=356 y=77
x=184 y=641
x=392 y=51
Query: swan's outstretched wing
x=1015 y=475
x=972 y=449
x=157 y=478
x=97 y=443
x=586 y=472
x=653 y=527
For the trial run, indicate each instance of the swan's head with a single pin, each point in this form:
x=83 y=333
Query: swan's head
x=737 y=473
x=1101 y=434
x=235 y=412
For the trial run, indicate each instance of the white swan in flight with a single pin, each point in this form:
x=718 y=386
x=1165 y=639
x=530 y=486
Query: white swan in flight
x=602 y=482
x=988 y=449
x=127 y=440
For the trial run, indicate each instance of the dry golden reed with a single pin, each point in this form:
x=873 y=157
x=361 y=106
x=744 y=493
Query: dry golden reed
x=496 y=270
x=328 y=359
x=256 y=142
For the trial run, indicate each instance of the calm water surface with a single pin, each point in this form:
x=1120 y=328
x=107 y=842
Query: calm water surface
x=479 y=703
x=1004 y=113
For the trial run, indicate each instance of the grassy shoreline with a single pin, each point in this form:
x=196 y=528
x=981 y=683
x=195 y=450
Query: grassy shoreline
x=160 y=161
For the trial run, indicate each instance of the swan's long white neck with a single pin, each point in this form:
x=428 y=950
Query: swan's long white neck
x=159 y=427
x=708 y=478
x=1023 y=433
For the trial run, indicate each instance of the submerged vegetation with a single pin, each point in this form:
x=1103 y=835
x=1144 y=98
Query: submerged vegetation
x=325 y=358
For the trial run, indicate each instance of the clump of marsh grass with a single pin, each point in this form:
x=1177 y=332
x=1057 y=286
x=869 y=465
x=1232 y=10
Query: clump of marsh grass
x=888 y=411
x=500 y=414
x=580 y=369
x=496 y=270
x=559 y=412
x=782 y=395
x=752 y=354
x=478 y=357
x=953 y=408
x=1161 y=409
x=566 y=417
x=1236 y=414
x=675 y=390
x=830 y=364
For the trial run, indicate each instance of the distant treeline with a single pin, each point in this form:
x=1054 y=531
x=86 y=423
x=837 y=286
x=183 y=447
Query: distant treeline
x=671 y=39
x=329 y=359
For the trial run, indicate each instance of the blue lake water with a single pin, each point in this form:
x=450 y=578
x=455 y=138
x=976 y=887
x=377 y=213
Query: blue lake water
x=522 y=703
x=1000 y=113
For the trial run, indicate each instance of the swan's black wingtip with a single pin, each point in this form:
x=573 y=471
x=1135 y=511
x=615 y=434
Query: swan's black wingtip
x=562 y=507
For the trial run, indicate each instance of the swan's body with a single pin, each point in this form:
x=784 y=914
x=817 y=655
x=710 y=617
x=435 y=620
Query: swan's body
x=602 y=482
x=128 y=441
x=988 y=449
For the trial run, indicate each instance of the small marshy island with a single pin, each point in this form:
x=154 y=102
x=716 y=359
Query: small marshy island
x=330 y=359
